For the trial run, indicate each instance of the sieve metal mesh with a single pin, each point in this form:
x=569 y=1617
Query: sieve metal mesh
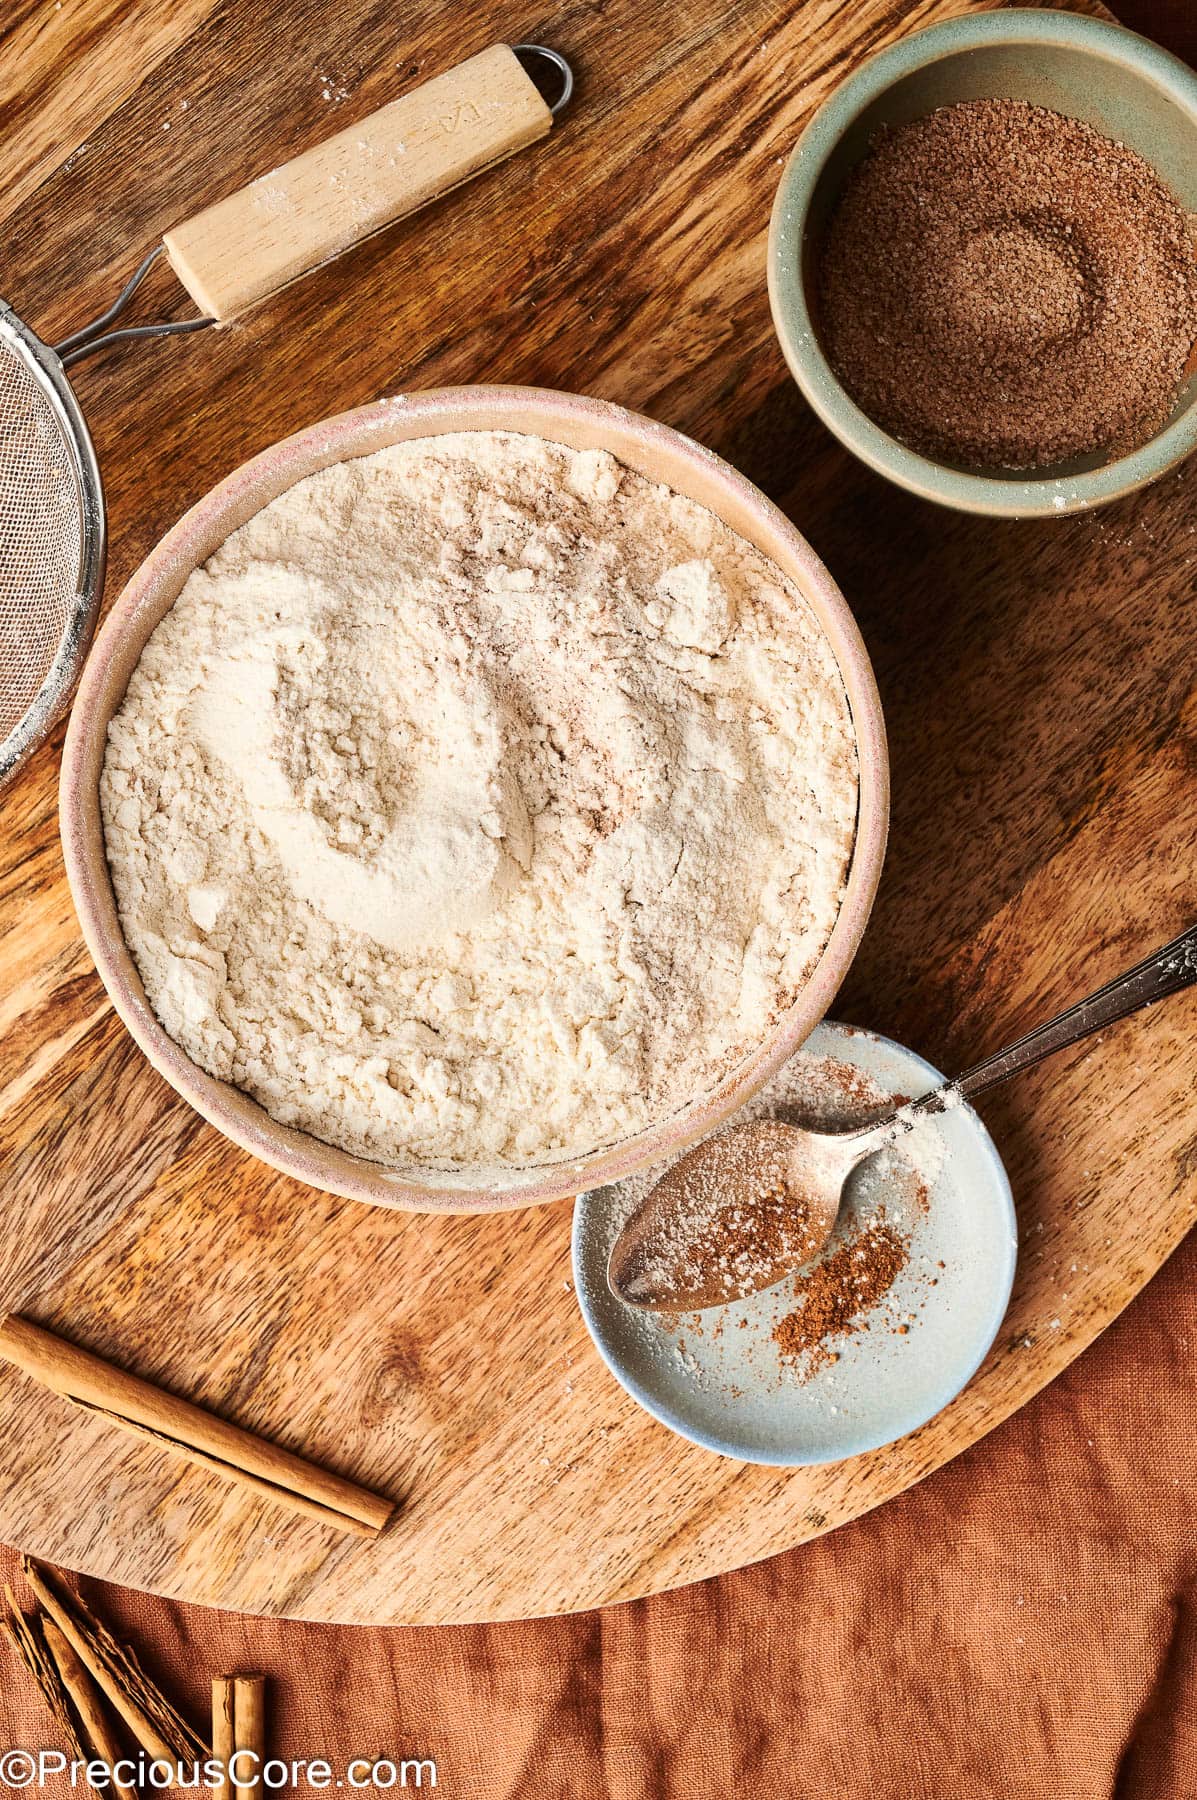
x=41 y=536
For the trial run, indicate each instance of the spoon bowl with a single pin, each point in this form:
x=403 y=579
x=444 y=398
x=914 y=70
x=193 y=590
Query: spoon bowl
x=732 y=1216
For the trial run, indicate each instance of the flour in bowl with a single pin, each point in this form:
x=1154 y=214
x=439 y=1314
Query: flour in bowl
x=479 y=803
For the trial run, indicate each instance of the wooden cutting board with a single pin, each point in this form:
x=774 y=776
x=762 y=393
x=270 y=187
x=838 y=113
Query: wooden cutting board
x=1037 y=683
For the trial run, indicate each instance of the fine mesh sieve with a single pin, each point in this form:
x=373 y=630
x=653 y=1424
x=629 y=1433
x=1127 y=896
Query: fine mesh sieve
x=235 y=253
x=52 y=535
x=51 y=541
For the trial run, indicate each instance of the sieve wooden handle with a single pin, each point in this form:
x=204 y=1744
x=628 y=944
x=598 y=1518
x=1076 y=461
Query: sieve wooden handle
x=240 y=250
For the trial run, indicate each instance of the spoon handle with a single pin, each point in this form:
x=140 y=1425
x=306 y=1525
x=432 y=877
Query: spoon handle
x=1164 y=972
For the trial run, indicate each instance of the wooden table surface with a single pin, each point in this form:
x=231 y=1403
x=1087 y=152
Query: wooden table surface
x=1037 y=682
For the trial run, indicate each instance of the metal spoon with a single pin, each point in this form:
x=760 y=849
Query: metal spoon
x=757 y=1200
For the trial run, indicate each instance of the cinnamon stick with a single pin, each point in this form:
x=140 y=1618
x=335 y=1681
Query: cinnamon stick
x=249 y=1724
x=30 y=1644
x=86 y=1700
x=123 y=1702
x=190 y=1431
x=224 y=1740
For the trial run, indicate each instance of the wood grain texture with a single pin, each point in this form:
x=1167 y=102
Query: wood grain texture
x=1037 y=680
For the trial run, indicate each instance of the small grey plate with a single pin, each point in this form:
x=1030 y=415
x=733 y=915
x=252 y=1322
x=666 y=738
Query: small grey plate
x=718 y=1378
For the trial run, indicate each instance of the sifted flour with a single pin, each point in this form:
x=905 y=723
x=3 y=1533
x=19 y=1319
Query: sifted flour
x=479 y=803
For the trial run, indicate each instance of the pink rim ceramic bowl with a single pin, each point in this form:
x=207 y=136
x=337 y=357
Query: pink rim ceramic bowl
x=655 y=451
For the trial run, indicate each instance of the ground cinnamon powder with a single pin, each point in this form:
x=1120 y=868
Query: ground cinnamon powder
x=1004 y=286
x=838 y=1292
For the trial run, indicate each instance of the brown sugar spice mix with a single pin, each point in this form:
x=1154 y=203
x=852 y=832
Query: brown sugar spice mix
x=1002 y=286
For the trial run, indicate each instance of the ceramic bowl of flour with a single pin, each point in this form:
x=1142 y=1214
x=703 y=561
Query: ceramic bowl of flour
x=103 y=749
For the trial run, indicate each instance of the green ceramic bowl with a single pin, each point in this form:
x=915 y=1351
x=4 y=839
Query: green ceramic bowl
x=1127 y=88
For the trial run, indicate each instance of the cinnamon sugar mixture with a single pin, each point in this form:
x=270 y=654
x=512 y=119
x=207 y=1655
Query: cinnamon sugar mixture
x=1004 y=286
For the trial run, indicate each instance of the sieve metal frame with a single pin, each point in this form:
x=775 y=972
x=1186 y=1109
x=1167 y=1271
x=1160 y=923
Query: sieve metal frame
x=46 y=369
